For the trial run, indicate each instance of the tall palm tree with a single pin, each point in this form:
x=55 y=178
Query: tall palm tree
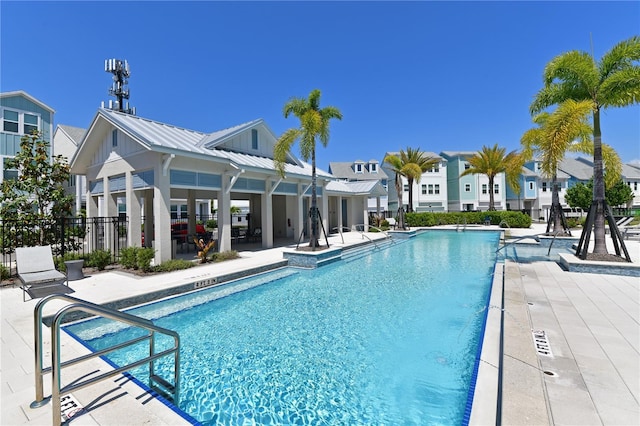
x=491 y=161
x=401 y=169
x=314 y=124
x=424 y=162
x=614 y=81
x=554 y=136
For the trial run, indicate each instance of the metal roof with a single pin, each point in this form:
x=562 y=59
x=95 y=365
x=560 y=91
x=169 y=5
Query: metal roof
x=159 y=136
x=370 y=188
x=580 y=168
x=75 y=133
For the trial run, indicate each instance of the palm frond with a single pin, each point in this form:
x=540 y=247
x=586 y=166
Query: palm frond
x=621 y=89
x=620 y=57
x=282 y=148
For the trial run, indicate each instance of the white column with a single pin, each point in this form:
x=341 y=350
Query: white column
x=78 y=180
x=339 y=213
x=92 y=211
x=325 y=211
x=266 y=211
x=224 y=215
x=134 y=234
x=162 y=215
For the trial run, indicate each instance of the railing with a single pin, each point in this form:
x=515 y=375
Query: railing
x=464 y=226
x=67 y=236
x=162 y=386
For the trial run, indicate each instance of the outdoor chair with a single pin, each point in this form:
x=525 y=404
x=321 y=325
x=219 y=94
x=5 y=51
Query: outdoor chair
x=392 y=222
x=255 y=236
x=38 y=274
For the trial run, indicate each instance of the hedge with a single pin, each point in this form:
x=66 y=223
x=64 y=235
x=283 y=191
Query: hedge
x=511 y=218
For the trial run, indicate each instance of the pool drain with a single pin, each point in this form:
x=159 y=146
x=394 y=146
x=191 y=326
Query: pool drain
x=541 y=343
x=550 y=373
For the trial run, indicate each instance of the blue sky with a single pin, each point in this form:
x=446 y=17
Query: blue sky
x=431 y=75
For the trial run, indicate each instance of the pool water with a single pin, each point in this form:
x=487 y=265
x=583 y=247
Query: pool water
x=390 y=338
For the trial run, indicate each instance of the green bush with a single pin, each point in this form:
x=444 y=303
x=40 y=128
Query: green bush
x=225 y=255
x=173 y=265
x=143 y=258
x=59 y=260
x=128 y=257
x=99 y=259
x=211 y=223
x=4 y=272
x=511 y=218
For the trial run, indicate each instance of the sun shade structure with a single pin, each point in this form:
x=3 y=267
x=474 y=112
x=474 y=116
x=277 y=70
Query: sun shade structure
x=148 y=164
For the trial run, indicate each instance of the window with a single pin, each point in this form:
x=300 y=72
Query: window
x=406 y=188
x=30 y=123
x=430 y=189
x=484 y=188
x=531 y=186
x=10 y=121
x=467 y=187
x=358 y=167
x=114 y=138
x=8 y=173
x=373 y=168
x=544 y=186
x=436 y=188
x=254 y=139
x=424 y=189
x=17 y=122
x=635 y=186
x=496 y=188
x=435 y=168
x=467 y=166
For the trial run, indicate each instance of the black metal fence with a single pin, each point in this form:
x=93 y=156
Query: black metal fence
x=77 y=236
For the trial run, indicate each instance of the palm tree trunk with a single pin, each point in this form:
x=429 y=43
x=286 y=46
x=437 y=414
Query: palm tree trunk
x=600 y=245
x=313 y=237
x=557 y=208
x=410 y=182
x=492 y=206
x=399 y=190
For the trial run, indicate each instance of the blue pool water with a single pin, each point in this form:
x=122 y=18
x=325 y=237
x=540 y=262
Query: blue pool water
x=390 y=338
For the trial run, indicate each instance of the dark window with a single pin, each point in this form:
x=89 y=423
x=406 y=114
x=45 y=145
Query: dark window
x=10 y=121
x=254 y=139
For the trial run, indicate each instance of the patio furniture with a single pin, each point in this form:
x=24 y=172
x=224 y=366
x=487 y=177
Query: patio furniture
x=74 y=269
x=38 y=274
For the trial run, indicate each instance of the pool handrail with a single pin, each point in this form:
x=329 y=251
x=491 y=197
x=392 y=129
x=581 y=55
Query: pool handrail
x=56 y=365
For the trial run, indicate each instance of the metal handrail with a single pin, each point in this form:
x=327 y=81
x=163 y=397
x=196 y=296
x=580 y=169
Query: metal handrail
x=56 y=365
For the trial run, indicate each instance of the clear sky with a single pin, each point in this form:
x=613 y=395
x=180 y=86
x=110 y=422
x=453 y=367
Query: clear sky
x=430 y=75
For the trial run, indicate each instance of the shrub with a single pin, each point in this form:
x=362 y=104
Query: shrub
x=225 y=255
x=99 y=259
x=211 y=223
x=573 y=222
x=128 y=257
x=173 y=265
x=4 y=272
x=511 y=218
x=143 y=258
x=59 y=260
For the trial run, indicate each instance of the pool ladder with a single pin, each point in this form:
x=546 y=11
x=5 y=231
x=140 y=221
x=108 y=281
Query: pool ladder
x=157 y=383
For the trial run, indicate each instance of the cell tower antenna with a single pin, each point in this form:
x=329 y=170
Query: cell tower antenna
x=119 y=90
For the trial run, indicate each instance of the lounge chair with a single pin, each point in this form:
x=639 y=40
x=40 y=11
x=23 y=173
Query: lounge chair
x=38 y=274
x=392 y=222
x=256 y=235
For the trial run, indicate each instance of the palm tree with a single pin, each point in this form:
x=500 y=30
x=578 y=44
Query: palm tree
x=491 y=161
x=401 y=169
x=554 y=136
x=314 y=124
x=424 y=162
x=614 y=81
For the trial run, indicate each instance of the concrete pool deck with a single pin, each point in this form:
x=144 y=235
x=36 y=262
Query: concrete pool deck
x=590 y=322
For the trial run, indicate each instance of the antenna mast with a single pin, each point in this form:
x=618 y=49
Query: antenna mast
x=119 y=89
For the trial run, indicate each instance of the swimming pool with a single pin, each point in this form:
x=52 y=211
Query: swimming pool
x=391 y=338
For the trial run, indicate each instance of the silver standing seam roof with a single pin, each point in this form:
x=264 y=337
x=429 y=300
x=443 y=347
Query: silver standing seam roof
x=163 y=137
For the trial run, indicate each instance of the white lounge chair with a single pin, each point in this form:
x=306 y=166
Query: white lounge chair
x=38 y=274
x=392 y=222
